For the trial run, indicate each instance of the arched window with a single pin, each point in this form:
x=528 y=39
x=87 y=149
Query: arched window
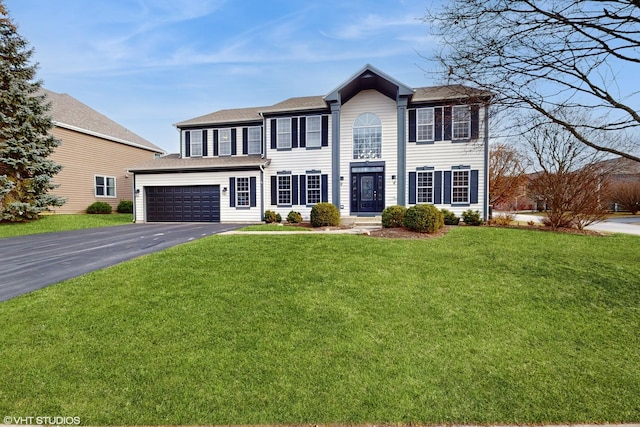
x=367 y=137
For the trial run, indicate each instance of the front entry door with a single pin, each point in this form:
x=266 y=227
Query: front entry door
x=367 y=190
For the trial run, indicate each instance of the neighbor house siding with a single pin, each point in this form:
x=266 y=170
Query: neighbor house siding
x=83 y=157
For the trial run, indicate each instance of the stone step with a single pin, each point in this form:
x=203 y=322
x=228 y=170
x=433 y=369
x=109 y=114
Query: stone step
x=362 y=221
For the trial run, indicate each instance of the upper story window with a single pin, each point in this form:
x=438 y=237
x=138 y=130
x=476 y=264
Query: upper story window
x=105 y=186
x=314 y=131
x=196 y=143
x=461 y=122
x=424 y=123
x=224 y=142
x=254 y=137
x=367 y=137
x=284 y=133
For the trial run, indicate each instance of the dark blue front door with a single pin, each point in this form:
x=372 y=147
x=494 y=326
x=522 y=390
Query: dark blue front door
x=367 y=192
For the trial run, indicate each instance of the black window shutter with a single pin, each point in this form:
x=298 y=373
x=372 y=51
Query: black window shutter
x=294 y=189
x=412 y=188
x=324 y=185
x=437 y=187
x=232 y=192
x=261 y=139
x=447 y=187
x=447 y=123
x=475 y=121
x=325 y=131
x=412 y=127
x=215 y=142
x=204 y=143
x=274 y=190
x=245 y=140
x=274 y=134
x=294 y=132
x=473 y=193
x=252 y=192
x=303 y=190
x=303 y=132
x=187 y=143
x=437 y=123
x=234 y=145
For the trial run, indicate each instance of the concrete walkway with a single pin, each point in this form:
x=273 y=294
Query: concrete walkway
x=624 y=227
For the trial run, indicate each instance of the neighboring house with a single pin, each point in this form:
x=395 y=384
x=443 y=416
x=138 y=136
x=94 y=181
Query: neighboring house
x=95 y=154
x=372 y=142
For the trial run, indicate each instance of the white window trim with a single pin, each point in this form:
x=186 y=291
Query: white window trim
x=418 y=187
x=105 y=186
x=224 y=142
x=280 y=143
x=366 y=124
x=289 y=190
x=247 y=192
x=192 y=144
x=431 y=125
x=257 y=129
x=454 y=122
x=317 y=132
x=467 y=187
x=319 y=189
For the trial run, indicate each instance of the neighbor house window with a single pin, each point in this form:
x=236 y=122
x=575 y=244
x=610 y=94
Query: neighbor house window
x=314 y=187
x=314 y=131
x=242 y=192
x=284 y=189
x=460 y=187
x=367 y=137
x=224 y=142
x=284 y=133
x=196 y=143
x=105 y=186
x=255 y=140
x=461 y=122
x=424 y=187
x=424 y=118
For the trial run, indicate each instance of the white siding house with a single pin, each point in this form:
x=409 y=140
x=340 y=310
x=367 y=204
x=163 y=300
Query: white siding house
x=370 y=143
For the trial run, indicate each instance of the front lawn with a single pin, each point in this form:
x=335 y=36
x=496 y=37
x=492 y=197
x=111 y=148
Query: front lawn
x=482 y=325
x=52 y=223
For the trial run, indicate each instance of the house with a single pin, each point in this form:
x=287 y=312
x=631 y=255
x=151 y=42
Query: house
x=95 y=154
x=370 y=143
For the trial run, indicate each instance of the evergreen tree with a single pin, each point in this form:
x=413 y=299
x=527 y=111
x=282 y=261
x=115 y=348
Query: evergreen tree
x=25 y=142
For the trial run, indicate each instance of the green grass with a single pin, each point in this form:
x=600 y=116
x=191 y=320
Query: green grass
x=483 y=325
x=52 y=223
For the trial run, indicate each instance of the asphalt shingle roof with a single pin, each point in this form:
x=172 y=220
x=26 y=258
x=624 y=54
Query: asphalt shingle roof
x=174 y=162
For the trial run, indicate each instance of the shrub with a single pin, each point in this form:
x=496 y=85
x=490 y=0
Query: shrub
x=294 y=217
x=99 y=208
x=423 y=218
x=125 y=206
x=392 y=216
x=324 y=214
x=450 y=218
x=270 y=217
x=503 y=219
x=471 y=217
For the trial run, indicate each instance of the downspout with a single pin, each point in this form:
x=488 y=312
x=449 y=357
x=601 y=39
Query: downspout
x=261 y=191
x=135 y=197
x=486 y=162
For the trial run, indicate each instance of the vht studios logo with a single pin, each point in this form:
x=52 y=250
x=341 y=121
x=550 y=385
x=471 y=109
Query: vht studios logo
x=42 y=421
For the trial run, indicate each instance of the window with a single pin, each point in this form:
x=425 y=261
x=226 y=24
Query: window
x=314 y=131
x=196 y=143
x=284 y=189
x=460 y=187
x=424 y=118
x=105 y=186
x=255 y=140
x=224 y=142
x=284 y=133
x=242 y=192
x=367 y=137
x=424 y=187
x=461 y=122
x=314 y=187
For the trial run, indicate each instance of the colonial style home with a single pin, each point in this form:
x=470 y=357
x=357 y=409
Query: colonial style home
x=95 y=154
x=370 y=143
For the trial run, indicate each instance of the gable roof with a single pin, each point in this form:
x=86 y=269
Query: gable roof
x=69 y=113
x=368 y=77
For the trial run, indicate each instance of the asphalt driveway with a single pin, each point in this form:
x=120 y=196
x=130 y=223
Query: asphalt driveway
x=32 y=262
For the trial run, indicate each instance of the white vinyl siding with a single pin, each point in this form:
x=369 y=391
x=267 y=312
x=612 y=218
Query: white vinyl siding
x=254 y=136
x=461 y=122
x=424 y=119
x=105 y=186
x=224 y=142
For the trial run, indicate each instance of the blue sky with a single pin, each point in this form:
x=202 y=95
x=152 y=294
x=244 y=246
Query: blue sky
x=150 y=63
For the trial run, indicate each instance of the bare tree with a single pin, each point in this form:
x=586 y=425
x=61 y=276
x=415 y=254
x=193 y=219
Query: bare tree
x=506 y=174
x=627 y=195
x=549 y=56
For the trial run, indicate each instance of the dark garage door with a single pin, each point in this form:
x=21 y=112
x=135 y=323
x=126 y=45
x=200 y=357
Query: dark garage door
x=197 y=203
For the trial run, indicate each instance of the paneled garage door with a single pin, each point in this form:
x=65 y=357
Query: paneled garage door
x=197 y=203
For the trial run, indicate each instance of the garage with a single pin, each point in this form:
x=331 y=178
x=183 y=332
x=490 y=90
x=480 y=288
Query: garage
x=196 y=203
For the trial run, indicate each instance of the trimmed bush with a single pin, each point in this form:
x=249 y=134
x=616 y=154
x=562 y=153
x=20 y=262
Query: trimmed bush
x=423 y=218
x=392 y=216
x=294 y=217
x=125 y=206
x=270 y=217
x=449 y=217
x=324 y=214
x=99 y=208
x=471 y=217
